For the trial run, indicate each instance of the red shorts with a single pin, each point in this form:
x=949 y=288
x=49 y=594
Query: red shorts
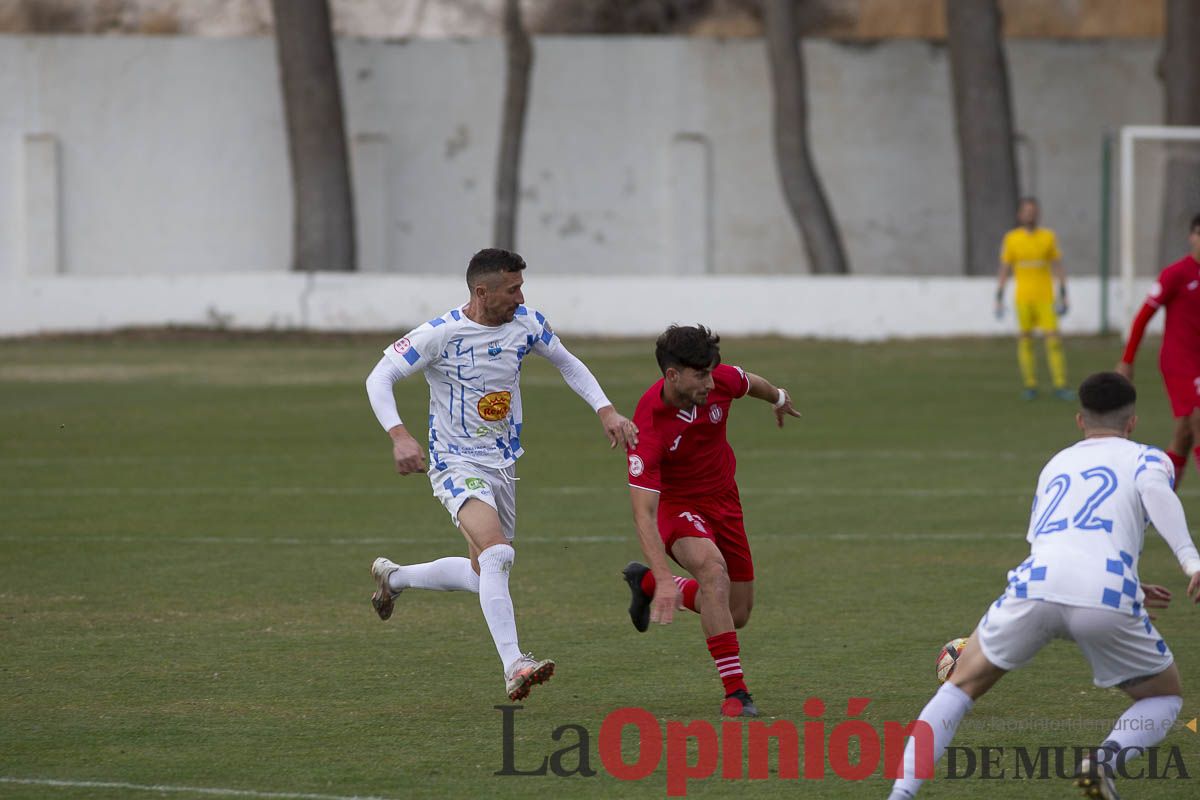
x=717 y=517
x=1183 y=388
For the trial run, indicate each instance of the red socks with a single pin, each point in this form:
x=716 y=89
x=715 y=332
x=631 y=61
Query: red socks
x=687 y=588
x=724 y=649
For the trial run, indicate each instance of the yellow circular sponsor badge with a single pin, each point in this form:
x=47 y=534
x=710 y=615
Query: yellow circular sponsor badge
x=493 y=406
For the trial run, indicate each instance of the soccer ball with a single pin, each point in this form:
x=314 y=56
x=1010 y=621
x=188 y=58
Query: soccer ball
x=948 y=657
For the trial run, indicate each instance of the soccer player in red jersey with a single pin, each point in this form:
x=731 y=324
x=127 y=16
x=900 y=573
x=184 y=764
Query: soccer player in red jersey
x=685 y=499
x=1178 y=290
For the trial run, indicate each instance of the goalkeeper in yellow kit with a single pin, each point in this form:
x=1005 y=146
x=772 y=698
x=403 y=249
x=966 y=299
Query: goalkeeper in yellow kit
x=1031 y=255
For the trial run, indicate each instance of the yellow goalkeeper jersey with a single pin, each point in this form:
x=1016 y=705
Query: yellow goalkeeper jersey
x=1031 y=254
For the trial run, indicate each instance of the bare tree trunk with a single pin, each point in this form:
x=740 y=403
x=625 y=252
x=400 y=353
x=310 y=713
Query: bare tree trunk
x=519 y=52
x=323 y=217
x=797 y=173
x=1181 y=81
x=984 y=123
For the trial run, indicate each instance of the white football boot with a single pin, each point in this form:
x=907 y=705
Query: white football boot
x=525 y=673
x=384 y=598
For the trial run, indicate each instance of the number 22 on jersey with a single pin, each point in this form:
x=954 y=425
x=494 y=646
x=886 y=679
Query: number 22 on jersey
x=1085 y=517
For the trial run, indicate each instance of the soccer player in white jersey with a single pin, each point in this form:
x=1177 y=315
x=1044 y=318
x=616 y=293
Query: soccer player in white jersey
x=1081 y=583
x=471 y=357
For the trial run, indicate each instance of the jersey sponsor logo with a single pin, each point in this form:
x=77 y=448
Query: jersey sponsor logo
x=494 y=406
x=675 y=444
x=402 y=346
x=636 y=467
x=485 y=431
x=715 y=413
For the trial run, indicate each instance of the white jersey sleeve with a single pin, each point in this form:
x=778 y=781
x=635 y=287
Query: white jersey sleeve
x=545 y=340
x=379 y=391
x=1155 y=483
x=419 y=349
x=579 y=377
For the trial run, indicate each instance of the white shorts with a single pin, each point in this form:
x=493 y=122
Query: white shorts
x=1118 y=645
x=461 y=480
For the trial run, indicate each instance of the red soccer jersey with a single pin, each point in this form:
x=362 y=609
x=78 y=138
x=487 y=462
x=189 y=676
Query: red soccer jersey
x=684 y=452
x=1178 y=291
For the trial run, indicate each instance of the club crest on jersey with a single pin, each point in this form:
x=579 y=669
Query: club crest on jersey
x=715 y=413
x=494 y=406
x=636 y=467
x=402 y=346
x=494 y=349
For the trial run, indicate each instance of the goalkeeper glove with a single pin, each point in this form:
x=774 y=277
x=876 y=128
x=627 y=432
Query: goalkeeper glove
x=1061 y=306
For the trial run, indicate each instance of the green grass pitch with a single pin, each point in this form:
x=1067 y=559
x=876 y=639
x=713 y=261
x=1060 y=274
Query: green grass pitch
x=186 y=528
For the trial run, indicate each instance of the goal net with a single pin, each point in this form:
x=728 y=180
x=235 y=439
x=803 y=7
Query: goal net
x=1158 y=190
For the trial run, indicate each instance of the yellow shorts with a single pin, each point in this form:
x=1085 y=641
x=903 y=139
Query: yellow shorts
x=1036 y=315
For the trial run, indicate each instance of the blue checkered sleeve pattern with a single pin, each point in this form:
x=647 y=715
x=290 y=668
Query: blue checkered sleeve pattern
x=1152 y=463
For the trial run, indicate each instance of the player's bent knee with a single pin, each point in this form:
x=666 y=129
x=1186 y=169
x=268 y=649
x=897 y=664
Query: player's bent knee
x=713 y=575
x=497 y=558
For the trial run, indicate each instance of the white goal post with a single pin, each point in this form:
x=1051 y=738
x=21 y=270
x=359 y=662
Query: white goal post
x=1130 y=135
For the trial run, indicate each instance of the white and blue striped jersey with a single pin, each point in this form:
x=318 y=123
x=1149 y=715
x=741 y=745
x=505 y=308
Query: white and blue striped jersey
x=474 y=374
x=1088 y=525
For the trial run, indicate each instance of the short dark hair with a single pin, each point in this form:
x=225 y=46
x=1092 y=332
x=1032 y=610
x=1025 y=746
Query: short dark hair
x=1195 y=223
x=1107 y=400
x=490 y=261
x=683 y=346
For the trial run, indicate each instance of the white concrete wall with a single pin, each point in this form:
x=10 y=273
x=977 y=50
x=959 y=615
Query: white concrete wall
x=172 y=158
x=857 y=308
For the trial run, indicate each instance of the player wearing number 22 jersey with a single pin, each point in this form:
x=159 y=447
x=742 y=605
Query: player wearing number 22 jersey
x=1081 y=582
x=685 y=499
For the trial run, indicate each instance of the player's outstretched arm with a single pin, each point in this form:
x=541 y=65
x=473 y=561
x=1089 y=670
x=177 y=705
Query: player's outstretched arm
x=618 y=429
x=1136 y=331
x=645 y=519
x=763 y=389
x=1166 y=512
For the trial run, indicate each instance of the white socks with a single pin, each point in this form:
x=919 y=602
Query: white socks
x=942 y=713
x=1145 y=723
x=452 y=574
x=494 y=566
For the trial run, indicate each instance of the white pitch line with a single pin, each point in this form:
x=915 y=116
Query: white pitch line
x=216 y=792
x=750 y=452
x=255 y=491
x=851 y=536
